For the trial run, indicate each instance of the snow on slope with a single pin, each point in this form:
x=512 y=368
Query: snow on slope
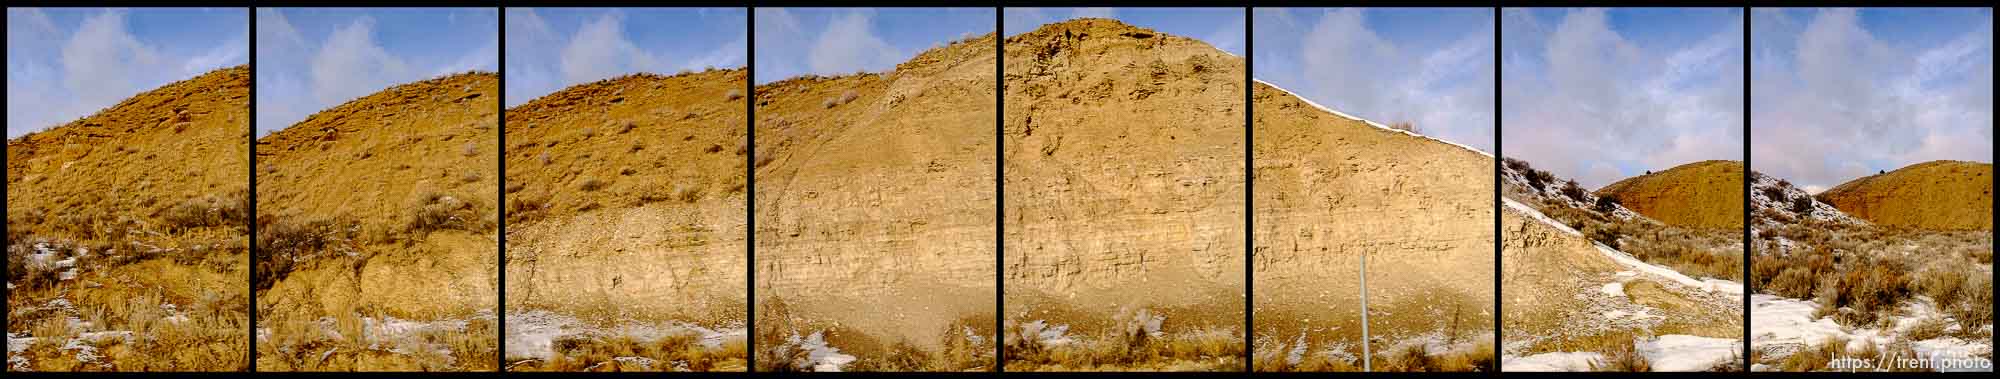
x=1370 y=123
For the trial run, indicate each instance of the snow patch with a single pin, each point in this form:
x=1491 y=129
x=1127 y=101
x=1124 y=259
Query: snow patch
x=1556 y=361
x=1676 y=352
x=1370 y=123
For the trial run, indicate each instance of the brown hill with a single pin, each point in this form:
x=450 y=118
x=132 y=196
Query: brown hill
x=133 y=220
x=1332 y=188
x=1124 y=169
x=1706 y=194
x=1931 y=195
x=875 y=208
x=626 y=206
x=377 y=211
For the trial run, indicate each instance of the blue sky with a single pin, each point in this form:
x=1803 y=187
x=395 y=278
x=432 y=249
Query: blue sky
x=841 y=41
x=1842 y=93
x=1432 y=67
x=549 y=49
x=1599 y=95
x=310 y=59
x=67 y=63
x=1221 y=27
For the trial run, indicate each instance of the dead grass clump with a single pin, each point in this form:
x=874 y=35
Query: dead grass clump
x=436 y=211
x=1859 y=295
x=1625 y=357
x=591 y=184
x=208 y=211
x=282 y=244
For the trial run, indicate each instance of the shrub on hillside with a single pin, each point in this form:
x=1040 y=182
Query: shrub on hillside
x=1802 y=205
x=1574 y=192
x=1606 y=204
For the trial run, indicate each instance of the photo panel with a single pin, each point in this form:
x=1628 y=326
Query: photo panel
x=1124 y=161
x=128 y=187
x=1888 y=270
x=377 y=189
x=627 y=139
x=1373 y=132
x=1622 y=182
x=875 y=189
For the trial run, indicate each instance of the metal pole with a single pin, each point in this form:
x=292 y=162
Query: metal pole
x=1366 y=365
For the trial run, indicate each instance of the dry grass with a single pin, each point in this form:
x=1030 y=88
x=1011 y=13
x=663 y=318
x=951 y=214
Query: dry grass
x=1713 y=253
x=1125 y=347
x=308 y=345
x=175 y=319
x=676 y=352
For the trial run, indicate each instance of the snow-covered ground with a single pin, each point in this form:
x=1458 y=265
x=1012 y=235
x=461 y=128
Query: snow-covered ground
x=1672 y=352
x=1760 y=183
x=1553 y=361
x=1783 y=326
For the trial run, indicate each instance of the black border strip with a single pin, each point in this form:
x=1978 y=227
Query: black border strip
x=250 y=365
x=1249 y=191
x=999 y=189
x=750 y=196
x=1499 y=253
x=500 y=285
x=1747 y=293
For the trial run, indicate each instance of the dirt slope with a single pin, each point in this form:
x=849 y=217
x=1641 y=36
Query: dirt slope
x=875 y=207
x=129 y=217
x=383 y=210
x=1953 y=195
x=1124 y=187
x=1705 y=194
x=1330 y=189
x=1566 y=290
x=625 y=206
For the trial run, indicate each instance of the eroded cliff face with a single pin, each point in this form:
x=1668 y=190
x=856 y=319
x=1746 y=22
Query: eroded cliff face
x=1943 y=195
x=1124 y=180
x=378 y=211
x=875 y=214
x=626 y=202
x=1331 y=189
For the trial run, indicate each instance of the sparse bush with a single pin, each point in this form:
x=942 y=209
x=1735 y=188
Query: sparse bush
x=1412 y=358
x=209 y=211
x=1605 y=234
x=437 y=211
x=1775 y=194
x=591 y=184
x=1625 y=357
x=1802 y=205
x=1606 y=204
x=1574 y=192
x=687 y=193
x=282 y=244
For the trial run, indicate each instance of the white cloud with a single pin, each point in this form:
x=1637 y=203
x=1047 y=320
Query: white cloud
x=849 y=44
x=1446 y=91
x=600 y=50
x=1585 y=102
x=1094 y=13
x=350 y=64
x=300 y=72
x=1833 y=101
x=56 y=74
